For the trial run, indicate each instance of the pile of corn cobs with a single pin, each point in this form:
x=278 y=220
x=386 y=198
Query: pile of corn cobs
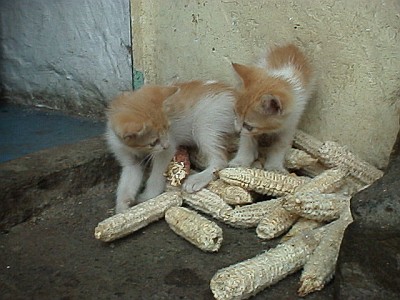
x=310 y=212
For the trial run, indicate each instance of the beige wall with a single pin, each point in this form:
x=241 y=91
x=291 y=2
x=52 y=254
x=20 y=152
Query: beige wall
x=354 y=46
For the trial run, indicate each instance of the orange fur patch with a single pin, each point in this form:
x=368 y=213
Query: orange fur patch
x=136 y=116
x=258 y=85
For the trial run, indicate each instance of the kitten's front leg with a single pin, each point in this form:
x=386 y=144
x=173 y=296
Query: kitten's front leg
x=247 y=152
x=196 y=182
x=128 y=186
x=155 y=184
x=276 y=153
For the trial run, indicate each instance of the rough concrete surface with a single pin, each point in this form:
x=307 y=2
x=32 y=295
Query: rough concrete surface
x=353 y=45
x=35 y=181
x=54 y=255
x=369 y=260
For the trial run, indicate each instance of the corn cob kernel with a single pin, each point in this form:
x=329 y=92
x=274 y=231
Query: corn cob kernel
x=320 y=267
x=231 y=194
x=179 y=168
x=301 y=225
x=316 y=206
x=276 y=221
x=195 y=228
x=244 y=279
x=247 y=216
x=136 y=217
x=208 y=203
x=327 y=182
x=334 y=155
x=307 y=143
x=261 y=181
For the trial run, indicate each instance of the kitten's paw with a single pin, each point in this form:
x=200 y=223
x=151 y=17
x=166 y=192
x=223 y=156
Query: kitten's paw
x=122 y=206
x=239 y=162
x=276 y=168
x=146 y=195
x=196 y=182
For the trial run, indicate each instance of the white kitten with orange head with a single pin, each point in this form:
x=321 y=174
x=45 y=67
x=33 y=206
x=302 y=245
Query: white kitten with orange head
x=152 y=122
x=272 y=98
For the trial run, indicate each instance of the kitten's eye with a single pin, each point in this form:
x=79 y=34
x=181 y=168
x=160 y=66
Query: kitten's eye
x=155 y=142
x=247 y=126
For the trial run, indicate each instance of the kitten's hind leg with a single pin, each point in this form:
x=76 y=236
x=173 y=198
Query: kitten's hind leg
x=247 y=152
x=128 y=186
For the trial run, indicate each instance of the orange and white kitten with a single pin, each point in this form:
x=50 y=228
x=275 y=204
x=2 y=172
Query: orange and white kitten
x=154 y=120
x=272 y=98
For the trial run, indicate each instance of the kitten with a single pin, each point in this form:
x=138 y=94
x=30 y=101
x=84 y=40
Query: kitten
x=155 y=120
x=272 y=98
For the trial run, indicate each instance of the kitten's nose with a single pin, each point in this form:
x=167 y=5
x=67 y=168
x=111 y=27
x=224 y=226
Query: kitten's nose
x=164 y=145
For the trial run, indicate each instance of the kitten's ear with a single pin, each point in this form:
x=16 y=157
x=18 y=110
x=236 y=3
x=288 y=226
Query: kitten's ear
x=132 y=131
x=271 y=105
x=244 y=72
x=171 y=91
x=168 y=91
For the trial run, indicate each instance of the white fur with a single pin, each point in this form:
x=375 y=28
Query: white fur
x=248 y=151
x=203 y=126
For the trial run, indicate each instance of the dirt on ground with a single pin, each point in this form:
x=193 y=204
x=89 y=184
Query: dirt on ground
x=54 y=255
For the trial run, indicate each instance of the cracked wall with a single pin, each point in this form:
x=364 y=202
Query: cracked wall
x=354 y=46
x=69 y=55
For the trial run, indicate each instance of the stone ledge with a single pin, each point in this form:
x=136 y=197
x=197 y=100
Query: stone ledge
x=369 y=260
x=33 y=182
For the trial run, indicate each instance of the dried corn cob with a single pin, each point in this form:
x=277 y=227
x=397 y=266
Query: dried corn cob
x=301 y=225
x=320 y=267
x=179 y=168
x=231 y=194
x=207 y=202
x=136 y=217
x=327 y=182
x=277 y=221
x=334 y=155
x=298 y=159
x=264 y=182
x=307 y=143
x=247 y=216
x=316 y=206
x=195 y=228
x=244 y=279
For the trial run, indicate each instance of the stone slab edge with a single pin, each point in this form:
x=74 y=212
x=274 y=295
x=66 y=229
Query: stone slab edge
x=31 y=183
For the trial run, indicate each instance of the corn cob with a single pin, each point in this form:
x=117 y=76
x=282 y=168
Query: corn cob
x=208 y=203
x=307 y=143
x=320 y=267
x=327 y=182
x=247 y=216
x=261 y=181
x=179 y=168
x=136 y=217
x=277 y=221
x=231 y=194
x=244 y=279
x=333 y=155
x=316 y=206
x=298 y=159
x=195 y=228
x=175 y=173
x=301 y=225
